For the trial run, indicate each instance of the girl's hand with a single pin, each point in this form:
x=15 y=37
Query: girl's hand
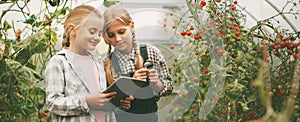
x=141 y=74
x=154 y=80
x=125 y=104
x=97 y=100
x=153 y=77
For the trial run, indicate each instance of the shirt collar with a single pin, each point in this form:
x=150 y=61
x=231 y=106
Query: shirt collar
x=66 y=53
x=123 y=56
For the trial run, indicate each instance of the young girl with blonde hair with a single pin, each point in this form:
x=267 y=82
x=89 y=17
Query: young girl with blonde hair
x=129 y=59
x=75 y=77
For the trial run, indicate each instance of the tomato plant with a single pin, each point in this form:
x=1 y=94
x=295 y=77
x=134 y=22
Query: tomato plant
x=242 y=73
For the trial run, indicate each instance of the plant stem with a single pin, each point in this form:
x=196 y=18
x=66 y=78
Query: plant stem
x=195 y=16
x=294 y=92
x=282 y=15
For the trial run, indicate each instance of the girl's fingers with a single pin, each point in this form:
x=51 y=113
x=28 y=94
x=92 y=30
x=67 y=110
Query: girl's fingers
x=125 y=102
x=130 y=98
x=110 y=94
x=143 y=70
x=141 y=74
x=152 y=71
x=142 y=77
x=101 y=102
x=126 y=106
x=153 y=76
x=153 y=79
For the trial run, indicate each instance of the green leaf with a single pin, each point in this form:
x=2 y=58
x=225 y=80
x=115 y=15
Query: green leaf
x=30 y=20
x=64 y=11
x=36 y=43
x=59 y=12
x=108 y=3
x=6 y=25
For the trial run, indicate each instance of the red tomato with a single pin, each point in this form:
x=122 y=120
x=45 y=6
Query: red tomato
x=282 y=44
x=172 y=47
x=206 y=71
x=282 y=92
x=195 y=79
x=224 y=112
x=281 y=36
x=192 y=28
x=290 y=52
x=281 y=68
x=196 y=53
x=275 y=47
x=237 y=33
x=295 y=45
x=188 y=33
x=220 y=52
x=203 y=3
x=182 y=33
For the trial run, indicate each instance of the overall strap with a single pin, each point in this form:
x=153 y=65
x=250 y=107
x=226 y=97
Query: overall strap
x=144 y=52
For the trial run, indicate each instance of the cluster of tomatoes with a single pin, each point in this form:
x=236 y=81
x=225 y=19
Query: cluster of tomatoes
x=282 y=48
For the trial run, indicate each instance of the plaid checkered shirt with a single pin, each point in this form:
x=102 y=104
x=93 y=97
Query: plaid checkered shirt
x=126 y=63
x=66 y=92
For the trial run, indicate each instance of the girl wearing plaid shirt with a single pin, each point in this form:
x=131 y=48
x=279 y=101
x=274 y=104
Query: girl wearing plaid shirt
x=75 y=77
x=126 y=60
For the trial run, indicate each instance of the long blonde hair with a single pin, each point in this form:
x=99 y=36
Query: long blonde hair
x=75 y=17
x=114 y=13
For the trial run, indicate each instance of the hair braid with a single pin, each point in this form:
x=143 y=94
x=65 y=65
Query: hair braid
x=107 y=67
x=66 y=39
x=138 y=60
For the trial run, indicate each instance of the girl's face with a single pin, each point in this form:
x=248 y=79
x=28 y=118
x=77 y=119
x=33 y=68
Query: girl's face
x=119 y=36
x=87 y=36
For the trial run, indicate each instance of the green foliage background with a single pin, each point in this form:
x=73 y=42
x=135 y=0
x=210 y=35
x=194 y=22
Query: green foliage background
x=23 y=60
x=240 y=73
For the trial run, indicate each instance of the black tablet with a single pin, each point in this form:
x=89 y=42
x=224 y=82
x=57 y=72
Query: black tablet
x=124 y=86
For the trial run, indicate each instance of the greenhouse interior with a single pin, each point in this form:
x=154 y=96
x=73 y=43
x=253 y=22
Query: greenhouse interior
x=225 y=60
